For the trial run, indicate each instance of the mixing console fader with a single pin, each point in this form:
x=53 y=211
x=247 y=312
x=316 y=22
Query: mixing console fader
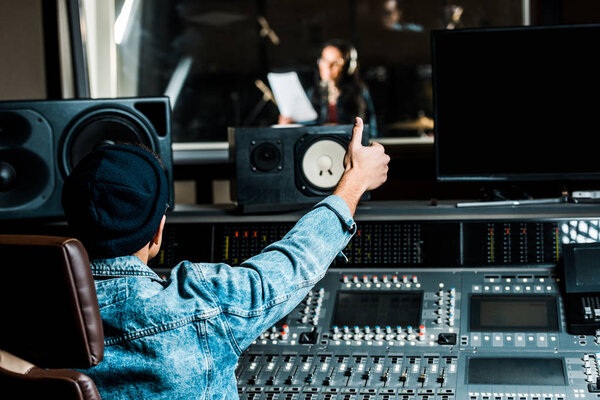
x=425 y=334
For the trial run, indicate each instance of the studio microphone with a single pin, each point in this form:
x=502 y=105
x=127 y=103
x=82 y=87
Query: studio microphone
x=267 y=94
x=324 y=91
x=266 y=30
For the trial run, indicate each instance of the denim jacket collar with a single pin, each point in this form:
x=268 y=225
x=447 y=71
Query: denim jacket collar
x=121 y=267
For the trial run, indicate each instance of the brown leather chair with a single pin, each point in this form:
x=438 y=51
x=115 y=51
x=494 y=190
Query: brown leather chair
x=49 y=319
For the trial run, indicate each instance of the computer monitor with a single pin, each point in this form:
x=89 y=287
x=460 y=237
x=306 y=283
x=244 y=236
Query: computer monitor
x=517 y=103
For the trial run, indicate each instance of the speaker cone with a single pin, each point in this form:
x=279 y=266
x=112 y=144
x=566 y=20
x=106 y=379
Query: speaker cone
x=8 y=176
x=105 y=127
x=24 y=177
x=266 y=157
x=323 y=163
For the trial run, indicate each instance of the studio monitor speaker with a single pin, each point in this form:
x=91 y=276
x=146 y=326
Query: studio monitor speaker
x=279 y=169
x=41 y=141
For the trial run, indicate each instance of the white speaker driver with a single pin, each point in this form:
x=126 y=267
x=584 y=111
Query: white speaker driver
x=323 y=163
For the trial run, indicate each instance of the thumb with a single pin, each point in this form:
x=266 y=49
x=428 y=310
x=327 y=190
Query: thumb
x=357 y=134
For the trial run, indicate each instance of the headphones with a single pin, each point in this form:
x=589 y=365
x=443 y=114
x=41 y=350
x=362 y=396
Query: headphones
x=353 y=62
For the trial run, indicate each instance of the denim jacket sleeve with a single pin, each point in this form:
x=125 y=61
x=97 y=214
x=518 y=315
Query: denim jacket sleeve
x=268 y=286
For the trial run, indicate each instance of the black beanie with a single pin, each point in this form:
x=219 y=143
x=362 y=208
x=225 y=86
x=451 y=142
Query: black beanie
x=114 y=200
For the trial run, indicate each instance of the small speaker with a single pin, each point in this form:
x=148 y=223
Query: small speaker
x=281 y=169
x=42 y=141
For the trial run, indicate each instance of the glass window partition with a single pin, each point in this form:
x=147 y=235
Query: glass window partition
x=212 y=57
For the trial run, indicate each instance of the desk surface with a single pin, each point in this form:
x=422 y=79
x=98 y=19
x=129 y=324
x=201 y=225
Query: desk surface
x=402 y=210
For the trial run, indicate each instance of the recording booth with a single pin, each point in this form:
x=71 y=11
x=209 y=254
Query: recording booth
x=487 y=297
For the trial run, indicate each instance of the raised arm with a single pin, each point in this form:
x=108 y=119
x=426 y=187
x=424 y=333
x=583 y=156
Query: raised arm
x=266 y=287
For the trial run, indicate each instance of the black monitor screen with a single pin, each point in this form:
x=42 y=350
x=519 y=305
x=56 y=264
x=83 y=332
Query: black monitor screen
x=516 y=371
x=363 y=308
x=582 y=267
x=508 y=313
x=516 y=103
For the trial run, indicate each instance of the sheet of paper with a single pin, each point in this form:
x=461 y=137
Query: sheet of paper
x=291 y=97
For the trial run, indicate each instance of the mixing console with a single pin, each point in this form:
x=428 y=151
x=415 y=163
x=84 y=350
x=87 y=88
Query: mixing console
x=425 y=334
x=448 y=307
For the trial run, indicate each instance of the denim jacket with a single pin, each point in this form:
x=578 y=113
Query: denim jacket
x=181 y=338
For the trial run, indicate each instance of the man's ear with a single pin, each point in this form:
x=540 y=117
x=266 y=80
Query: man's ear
x=157 y=238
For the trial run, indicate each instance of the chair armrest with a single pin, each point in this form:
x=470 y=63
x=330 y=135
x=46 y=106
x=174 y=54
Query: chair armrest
x=20 y=379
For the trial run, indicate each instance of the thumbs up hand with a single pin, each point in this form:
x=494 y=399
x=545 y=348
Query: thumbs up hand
x=366 y=168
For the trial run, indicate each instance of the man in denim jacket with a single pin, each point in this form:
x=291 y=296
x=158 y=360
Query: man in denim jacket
x=180 y=338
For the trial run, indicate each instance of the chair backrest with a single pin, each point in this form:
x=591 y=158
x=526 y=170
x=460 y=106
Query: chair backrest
x=49 y=316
